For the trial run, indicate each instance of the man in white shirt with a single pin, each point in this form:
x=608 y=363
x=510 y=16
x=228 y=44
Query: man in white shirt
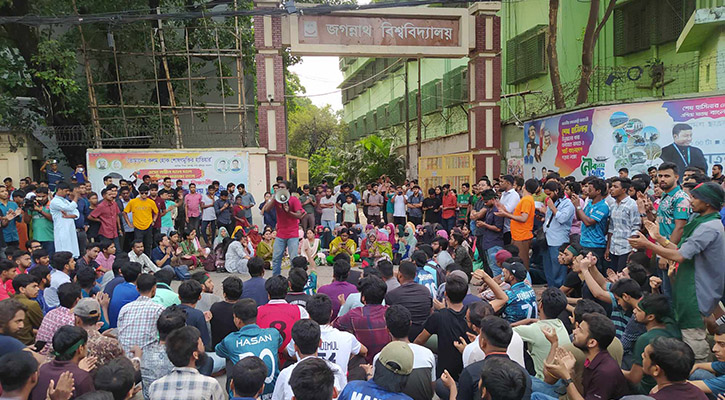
x=509 y=198
x=306 y=335
x=472 y=351
x=399 y=202
x=63 y=265
x=137 y=255
x=336 y=346
x=64 y=212
x=208 y=215
x=327 y=205
x=419 y=384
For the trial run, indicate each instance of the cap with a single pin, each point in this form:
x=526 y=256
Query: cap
x=397 y=357
x=502 y=255
x=460 y=274
x=87 y=307
x=517 y=270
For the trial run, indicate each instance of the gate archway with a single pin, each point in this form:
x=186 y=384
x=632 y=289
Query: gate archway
x=421 y=32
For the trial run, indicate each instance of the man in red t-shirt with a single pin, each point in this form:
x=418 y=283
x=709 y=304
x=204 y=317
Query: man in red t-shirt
x=450 y=202
x=279 y=314
x=288 y=225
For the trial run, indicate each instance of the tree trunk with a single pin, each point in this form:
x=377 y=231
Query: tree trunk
x=591 y=35
x=553 y=56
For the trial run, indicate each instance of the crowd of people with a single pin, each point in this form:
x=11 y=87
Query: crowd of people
x=505 y=289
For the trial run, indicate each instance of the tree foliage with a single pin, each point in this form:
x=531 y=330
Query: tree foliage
x=312 y=128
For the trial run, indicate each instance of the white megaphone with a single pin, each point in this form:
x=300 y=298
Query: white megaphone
x=281 y=196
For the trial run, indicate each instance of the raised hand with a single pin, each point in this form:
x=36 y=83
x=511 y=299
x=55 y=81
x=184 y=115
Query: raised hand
x=64 y=389
x=550 y=334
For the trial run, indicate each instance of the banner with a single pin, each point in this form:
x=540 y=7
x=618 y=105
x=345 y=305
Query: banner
x=599 y=141
x=201 y=167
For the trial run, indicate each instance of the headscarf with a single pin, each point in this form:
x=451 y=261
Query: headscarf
x=412 y=241
x=391 y=235
x=254 y=236
x=442 y=233
x=428 y=234
x=220 y=237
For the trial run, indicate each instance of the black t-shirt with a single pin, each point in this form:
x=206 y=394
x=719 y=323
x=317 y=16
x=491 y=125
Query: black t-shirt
x=222 y=321
x=416 y=298
x=449 y=325
x=299 y=299
x=431 y=215
x=572 y=281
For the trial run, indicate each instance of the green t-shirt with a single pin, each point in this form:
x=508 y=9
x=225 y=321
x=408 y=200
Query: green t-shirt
x=646 y=338
x=42 y=227
x=463 y=200
x=166 y=220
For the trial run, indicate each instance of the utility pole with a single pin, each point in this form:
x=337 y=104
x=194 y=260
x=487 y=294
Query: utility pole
x=420 y=116
x=407 y=120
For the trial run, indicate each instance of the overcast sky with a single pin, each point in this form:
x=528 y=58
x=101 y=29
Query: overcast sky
x=321 y=75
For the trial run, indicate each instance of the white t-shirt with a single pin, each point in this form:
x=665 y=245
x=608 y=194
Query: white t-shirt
x=283 y=391
x=207 y=214
x=473 y=353
x=336 y=347
x=509 y=199
x=328 y=214
x=399 y=206
x=422 y=358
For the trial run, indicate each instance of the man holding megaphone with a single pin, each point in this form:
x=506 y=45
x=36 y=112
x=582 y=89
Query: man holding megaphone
x=289 y=211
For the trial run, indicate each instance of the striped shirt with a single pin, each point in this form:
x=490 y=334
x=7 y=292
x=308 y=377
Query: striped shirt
x=624 y=222
x=186 y=383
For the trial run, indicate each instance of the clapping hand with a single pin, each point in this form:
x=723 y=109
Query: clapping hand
x=550 y=334
x=64 y=389
x=638 y=241
x=88 y=364
x=653 y=229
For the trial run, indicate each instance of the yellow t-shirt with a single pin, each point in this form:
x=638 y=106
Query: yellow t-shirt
x=524 y=230
x=143 y=212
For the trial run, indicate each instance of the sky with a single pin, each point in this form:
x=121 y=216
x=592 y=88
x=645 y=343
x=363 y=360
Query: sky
x=322 y=75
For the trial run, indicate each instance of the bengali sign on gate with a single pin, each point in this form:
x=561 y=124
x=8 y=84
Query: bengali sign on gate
x=444 y=33
x=599 y=141
x=201 y=167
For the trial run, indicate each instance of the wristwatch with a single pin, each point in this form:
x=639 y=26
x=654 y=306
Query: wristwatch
x=643 y=215
x=567 y=382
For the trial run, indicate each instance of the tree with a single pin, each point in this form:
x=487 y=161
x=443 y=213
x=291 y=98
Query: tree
x=553 y=55
x=591 y=34
x=312 y=128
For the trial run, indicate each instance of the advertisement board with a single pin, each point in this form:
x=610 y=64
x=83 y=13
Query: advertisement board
x=599 y=141
x=201 y=167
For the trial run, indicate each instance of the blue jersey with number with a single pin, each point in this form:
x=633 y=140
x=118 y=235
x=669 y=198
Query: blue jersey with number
x=251 y=340
x=521 y=303
x=369 y=390
x=426 y=279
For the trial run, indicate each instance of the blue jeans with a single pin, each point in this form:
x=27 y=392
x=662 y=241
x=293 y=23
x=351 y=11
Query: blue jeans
x=49 y=247
x=491 y=253
x=449 y=223
x=278 y=252
x=328 y=224
x=544 y=390
x=555 y=272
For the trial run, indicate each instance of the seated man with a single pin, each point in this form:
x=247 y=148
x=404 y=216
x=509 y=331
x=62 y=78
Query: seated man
x=517 y=303
x=669 y=361
x=710 y=377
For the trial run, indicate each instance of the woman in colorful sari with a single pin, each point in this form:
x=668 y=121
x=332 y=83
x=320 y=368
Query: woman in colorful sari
x=191 y=249
x=378 y=249
x=309 y=247
x=265 y=247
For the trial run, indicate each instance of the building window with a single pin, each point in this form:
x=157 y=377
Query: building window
x=526 y=55
x=639 y=24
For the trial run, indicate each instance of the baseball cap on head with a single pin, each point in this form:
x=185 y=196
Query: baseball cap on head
x=87 y=307
x=516 y=269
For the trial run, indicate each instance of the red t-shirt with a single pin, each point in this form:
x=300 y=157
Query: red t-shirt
x=287 y=225
x=280 y=317
x=161 y=205
x=449 y=200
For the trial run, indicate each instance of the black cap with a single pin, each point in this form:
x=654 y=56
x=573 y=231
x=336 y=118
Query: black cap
x=517 y=270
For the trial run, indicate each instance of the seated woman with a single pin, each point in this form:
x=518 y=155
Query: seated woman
x=191 y=249
x=343 y=244
x=223 y=233
x=310 y=247
x=265 y=248
x=378 y=249
x=238 y=254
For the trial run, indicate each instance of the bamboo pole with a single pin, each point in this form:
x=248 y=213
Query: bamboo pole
x=92 y=102
x=221 y=81
x=120 y=91
x=241 y=95
x=169 y=86
x=156 y=82
x=188 y=72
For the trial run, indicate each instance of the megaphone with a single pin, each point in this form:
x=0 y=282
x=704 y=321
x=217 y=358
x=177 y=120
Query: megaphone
x=281 y=196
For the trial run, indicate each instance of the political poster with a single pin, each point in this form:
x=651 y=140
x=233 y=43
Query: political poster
x=201 y=167
x=599 y=141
